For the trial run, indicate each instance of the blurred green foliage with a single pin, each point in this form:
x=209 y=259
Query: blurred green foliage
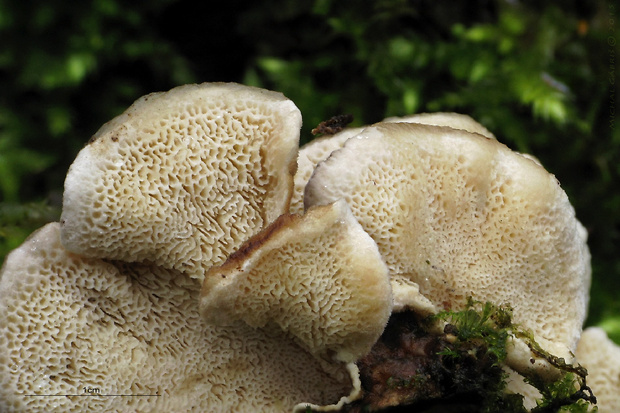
x=540 y=75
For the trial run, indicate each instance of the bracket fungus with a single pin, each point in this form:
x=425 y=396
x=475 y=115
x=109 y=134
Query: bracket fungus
x=318 y=276
x=185 y=269
x=178 y=182
x=182 y=178
x=460 y=215
x=130 y=337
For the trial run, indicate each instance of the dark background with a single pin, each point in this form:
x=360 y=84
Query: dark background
x=540 y=75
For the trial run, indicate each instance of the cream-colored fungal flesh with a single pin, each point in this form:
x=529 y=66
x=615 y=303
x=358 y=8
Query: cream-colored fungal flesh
x=309 y=157
x=319 y=277
x=85 y=327
x=182 y=178
x=601 y=356
x=452 y=120
x=462 y=216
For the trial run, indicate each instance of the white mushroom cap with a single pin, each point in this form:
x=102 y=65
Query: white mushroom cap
x=601 y=356
x=182 y=178
x=69 y=323
x=462 y=215
x=318 y=276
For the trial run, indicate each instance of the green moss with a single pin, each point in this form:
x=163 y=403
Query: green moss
x=490 y=326
x=561 y=395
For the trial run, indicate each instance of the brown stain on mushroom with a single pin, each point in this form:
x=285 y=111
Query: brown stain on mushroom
x=254 y=242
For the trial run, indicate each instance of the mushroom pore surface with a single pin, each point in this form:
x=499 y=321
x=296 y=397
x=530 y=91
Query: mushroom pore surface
x=78 y=326
x=318 y=276
x=182 y=178
x=462 y=216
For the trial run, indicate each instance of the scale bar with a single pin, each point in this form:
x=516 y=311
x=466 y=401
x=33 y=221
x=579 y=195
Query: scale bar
x=93 y=395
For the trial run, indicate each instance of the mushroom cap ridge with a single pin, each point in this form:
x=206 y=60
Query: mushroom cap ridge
x=461 y=215
x=183 y=177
